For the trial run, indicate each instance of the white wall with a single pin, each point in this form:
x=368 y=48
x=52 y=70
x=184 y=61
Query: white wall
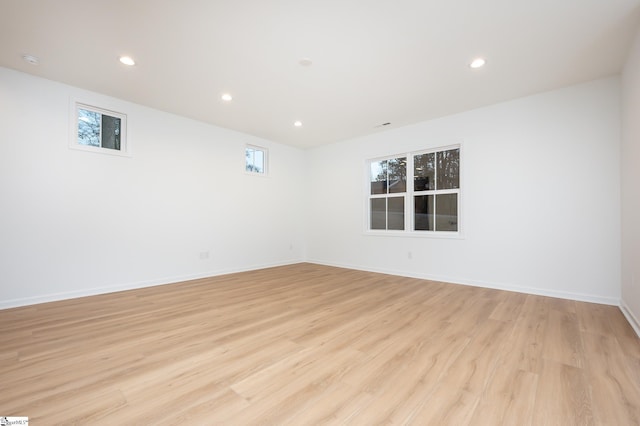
x=541 y=197
x=631 y=186
x=75 y=223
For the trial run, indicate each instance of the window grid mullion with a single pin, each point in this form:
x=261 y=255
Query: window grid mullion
x=100 y=136
x=408 y=202
x=410 y=193
x=386 y=210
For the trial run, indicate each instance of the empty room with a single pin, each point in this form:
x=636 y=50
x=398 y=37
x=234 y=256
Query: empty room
x=320 y=212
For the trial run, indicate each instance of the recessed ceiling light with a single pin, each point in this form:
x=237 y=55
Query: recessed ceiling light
x=305 y=62
x=226 y=97
x=298 y=124
x=31 y=59
x=477 y=63
x=127 y=60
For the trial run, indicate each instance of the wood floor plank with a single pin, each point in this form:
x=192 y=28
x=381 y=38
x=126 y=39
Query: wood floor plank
x=563 y=396
x=290 y=387
x=509 y=397
x=338 y=403
x=509 y=307
x=423 y=372
x=447 y=405
x=474 y=367
x=563 y=340
x=595 y=318
x=612 y=380
x=308 y=344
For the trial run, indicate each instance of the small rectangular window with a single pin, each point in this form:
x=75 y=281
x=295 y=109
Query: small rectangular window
x=99 y=130
x=256 y=159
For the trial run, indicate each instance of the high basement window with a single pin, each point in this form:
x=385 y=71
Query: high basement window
x=256 y=159
x=99 y=130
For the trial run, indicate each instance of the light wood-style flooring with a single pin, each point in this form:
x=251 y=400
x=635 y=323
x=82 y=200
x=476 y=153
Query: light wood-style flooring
x=308 y=344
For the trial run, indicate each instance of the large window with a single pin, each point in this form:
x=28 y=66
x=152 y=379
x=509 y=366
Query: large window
x=99 y=130
x=415 y=192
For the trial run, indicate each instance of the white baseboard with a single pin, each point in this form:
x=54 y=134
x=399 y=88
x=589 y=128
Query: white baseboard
x=518 y=289
x=628 y=314
x=13 y=303
x=53 y=297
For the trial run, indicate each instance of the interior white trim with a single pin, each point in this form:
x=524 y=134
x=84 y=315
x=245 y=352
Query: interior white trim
x=54 y=297
x=630 y=317
x=496 y=286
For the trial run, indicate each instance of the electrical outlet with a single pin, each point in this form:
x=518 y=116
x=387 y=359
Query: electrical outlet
x=410 y=255
x=204 y=255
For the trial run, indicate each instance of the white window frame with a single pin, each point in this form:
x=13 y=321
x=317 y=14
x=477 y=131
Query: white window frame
x=409 y=212
x=265 y=154
x=124 y=150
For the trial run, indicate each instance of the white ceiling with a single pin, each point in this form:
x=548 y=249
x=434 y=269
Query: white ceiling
x=400 y=61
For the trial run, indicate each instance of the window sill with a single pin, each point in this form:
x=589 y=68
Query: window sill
x=98 y=150
x=417 y=234
x=263 y=175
